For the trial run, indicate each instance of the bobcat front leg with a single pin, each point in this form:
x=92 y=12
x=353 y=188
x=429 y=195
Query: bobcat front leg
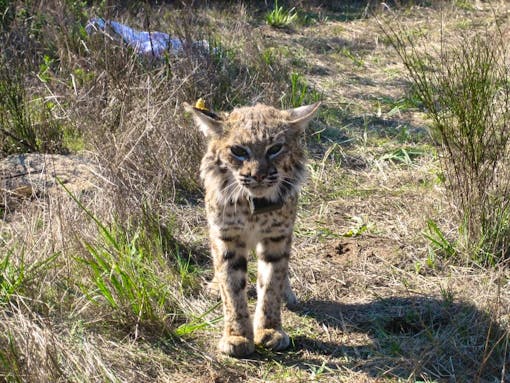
x=273 y=260
x=230 y=266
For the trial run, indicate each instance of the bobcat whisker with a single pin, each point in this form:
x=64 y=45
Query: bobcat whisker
x=232 y=196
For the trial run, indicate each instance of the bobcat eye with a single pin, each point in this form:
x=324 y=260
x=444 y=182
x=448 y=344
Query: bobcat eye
x=274 y=150
x=239 y=152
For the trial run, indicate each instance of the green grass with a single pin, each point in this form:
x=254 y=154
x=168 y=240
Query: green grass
x=123 y=270
x=17 y=275
x=355 y=59
x=300 y=93
x=404 y=155
x=17 y=131
x=440 y=244
x=198 y=323
x=280 y=17
x=11 y=277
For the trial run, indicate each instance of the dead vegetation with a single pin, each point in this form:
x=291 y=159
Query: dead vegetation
x=103 y=253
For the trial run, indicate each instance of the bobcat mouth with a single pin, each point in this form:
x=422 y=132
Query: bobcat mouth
x=260 y=190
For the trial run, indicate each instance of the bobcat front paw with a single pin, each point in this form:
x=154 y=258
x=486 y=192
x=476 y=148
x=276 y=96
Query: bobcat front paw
x=275 y=340
x=237 y=346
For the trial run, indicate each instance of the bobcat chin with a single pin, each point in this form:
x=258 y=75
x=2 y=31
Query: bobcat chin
x=252 y=172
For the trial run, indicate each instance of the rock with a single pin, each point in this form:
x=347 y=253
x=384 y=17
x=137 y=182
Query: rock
x=34 y=176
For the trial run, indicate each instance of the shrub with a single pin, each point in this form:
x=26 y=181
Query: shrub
x=465 y=90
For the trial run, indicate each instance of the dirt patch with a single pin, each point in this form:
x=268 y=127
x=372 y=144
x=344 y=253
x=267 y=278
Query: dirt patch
x=349 y=251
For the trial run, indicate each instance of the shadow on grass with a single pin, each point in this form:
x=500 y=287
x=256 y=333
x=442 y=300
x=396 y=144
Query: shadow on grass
x=336 y=126
x=341 y=10
x=411 y=338
x=342 y=128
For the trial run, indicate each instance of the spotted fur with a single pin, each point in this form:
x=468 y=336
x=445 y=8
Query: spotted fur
x=253 y=154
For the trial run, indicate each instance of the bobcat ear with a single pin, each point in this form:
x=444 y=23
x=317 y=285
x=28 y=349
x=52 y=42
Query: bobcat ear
x=301 y=116
x=208 y=123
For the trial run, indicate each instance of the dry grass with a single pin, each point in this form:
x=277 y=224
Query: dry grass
x=378 y=301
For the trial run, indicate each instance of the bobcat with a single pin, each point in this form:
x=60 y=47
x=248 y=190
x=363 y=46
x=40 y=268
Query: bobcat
x=252 y=172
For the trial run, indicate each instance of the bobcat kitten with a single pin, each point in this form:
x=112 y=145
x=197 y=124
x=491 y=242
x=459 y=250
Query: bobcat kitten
x=252 y=172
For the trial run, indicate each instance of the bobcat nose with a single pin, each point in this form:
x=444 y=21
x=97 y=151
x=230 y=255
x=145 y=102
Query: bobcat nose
x=259 y=177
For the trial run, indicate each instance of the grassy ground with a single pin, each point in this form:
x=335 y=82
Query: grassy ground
x=104 y=279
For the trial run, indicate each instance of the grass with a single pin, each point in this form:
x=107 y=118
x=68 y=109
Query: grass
x=280 y=17
x=136 y=276
x=104 y=278
x=16 y=276
x=300 y=93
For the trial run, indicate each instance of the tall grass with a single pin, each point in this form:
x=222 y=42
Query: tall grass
x=465 y=89
x=131 y=271
x=146 y=143
x=96 y=93
x=26 y=124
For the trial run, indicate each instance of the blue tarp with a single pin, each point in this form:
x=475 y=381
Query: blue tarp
x=152 y=44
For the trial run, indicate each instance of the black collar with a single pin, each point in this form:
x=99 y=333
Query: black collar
x=263 y=205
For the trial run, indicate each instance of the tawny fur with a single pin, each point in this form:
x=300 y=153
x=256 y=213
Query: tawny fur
x=253 y=152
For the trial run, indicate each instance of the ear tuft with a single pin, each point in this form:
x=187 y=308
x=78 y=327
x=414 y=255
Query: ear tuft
x=208 y=122
x=300 y=117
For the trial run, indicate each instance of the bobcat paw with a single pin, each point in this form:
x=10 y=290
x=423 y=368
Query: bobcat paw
x=275 y=340
x=237 y=346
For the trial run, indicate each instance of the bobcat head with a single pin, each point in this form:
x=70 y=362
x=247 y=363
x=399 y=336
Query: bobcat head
x=254 y=152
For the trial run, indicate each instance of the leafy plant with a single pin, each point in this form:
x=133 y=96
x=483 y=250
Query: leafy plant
x=122 y=275
x=279 y=17
x=404 y=156
x=11 y=277
x=198 y=323
x=359 y=227
x=15 y=276
x=186 y=271
x=354 y=58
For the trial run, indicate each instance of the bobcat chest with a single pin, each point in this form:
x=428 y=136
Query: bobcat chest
x=238 y=220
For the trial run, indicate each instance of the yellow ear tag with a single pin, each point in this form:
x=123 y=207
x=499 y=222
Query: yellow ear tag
x=200 y=104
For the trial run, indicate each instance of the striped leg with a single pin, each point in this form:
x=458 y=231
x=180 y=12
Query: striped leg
x=230 y=264
x=273 y=260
